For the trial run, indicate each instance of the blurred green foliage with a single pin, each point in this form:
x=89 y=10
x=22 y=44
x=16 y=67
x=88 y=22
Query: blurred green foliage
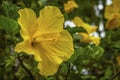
x=89 y=62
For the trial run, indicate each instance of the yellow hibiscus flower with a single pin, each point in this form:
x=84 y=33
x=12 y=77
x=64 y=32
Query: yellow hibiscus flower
x=70 y=5
x=112 y=14
x=90 y=29
x=45 y=38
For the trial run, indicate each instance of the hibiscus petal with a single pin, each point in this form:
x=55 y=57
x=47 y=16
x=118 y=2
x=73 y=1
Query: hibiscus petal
x=113 y=22
x=95 y=40
x=87 y=38
x=27 y=21
x=70 y=5
x=50 y=20
x=24 y=47
x=62 y=47
x=80 y=23
x=109 y=11
x=49 y=65
x=116 y=4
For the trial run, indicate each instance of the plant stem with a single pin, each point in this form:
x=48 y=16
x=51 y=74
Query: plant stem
x=25 y=68
x=114 y=76
x=68 y=72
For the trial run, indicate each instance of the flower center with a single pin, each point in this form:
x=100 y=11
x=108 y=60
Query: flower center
x=50 y=37
x=33 y=43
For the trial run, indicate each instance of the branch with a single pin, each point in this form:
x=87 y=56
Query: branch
x=25 y=68
x=68 y=72
x=114 y=76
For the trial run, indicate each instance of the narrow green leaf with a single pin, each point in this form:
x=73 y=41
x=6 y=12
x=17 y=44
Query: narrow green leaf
x=116 y=45
x=76 y=29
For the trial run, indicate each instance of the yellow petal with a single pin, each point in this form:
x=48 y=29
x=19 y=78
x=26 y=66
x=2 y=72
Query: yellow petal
x=51 y=20
x=63 y=46
x=49 y=65
x=89 y=28
x=24 y=46
x=79 y=22
x=113 y=22
x=27 y=21
x=116 y=4
x=37 y=56
x=118 y=60
x=87 y=39
x=70 y=5
x=54 y=49
x=27 y=47
x=95 y=40
x=109 y=11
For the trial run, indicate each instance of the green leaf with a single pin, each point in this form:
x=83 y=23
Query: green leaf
x=9 y=25
x=42 y=2
x=78 y=52
x=10 y=61
x=77 y=37
x=63 y=68
x=28 y=3
x=75 y=29
x=51 y=78
x=9 y=10
x=108 y=72
x=116 y=45
x=97 y=52
x=27 y=65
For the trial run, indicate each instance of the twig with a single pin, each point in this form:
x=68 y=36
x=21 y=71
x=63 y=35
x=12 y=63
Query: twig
x=57 y=74
x=27 y=70
x=114 y=76
x=69 y=67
